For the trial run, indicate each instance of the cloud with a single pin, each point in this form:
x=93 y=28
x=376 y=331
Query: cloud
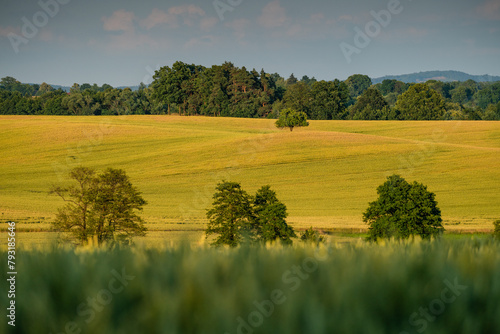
x=348 y=18
x=187 y=9
x=46 y=35
x=120 y=20
x=204 y=41
x=159 y=17
x=5 y=31
x=239 y=28
x=208 y=23
x=410 y=33
x=490 y=10
x=273 y=15
x=188 y=14
x=475 y=50
x=127 y=41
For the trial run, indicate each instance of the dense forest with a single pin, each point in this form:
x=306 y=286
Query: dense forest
x=226 y=90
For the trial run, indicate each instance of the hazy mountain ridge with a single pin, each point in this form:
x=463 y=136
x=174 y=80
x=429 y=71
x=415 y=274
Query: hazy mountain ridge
x=67 y=88
x=445 y=76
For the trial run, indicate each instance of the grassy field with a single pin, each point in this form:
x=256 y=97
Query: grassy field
x=350 y=288
x=326 y=174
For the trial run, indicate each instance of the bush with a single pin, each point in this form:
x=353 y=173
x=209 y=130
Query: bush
x=496 y=231
x=312 y=236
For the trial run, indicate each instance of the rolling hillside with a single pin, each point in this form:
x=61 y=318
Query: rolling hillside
x=326 y=174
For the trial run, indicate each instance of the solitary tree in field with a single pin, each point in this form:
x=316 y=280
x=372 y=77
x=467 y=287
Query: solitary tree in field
x=290 y=118
x=403 y=210
x=231 y=215
x=270 y=216
x=100 y=207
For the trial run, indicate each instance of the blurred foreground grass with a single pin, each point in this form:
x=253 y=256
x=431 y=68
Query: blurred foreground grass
x=444 y=286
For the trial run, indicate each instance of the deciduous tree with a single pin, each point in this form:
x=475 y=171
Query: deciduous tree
x=420 y=102
x=100 y=207
x=290 y=118
x=403 y=210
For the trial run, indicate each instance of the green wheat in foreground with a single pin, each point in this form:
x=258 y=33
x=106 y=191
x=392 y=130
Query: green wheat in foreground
x=411 y=287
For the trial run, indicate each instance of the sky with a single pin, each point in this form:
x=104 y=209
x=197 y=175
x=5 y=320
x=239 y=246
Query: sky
x=122 y=42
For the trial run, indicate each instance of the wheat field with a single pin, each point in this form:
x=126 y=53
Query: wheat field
x=326 y=173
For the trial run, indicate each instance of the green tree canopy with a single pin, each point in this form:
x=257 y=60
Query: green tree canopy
x=403 y=210
x=298 y=97
x=236 y=216
x=389 y=86
x=231 y=215
x=100 y=207
x=270 y=215
x=369 y=105
x=357 y=84
x=290 y=118
x=420 y=102
x=329 y=100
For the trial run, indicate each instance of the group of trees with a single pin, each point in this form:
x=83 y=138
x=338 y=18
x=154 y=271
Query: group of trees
x=17 y=99
x=104 y=208
x=467 y=100
x=100 y=207
x=226 y=90
x=402 y=210
x=236 y=216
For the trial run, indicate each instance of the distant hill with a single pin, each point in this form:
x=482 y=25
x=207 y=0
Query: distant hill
x=67 y=88
x=438 y=75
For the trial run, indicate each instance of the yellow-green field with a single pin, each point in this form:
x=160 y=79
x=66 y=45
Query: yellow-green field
x=326 y=174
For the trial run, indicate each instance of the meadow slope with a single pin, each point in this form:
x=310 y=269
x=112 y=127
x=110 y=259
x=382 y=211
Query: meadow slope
x=326 y=174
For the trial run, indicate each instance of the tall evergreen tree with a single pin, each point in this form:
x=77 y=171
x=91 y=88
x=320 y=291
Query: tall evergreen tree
x=231 y=216
x=270 y=216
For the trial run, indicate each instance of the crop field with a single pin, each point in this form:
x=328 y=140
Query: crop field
x=326 y=173
x=409 y=287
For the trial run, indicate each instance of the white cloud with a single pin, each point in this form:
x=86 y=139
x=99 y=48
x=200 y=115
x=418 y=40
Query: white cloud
x=273 y=15
x=46 y=35
x=120 y=20
x=490 y=10
x=159 y=17
x=207 y=24
x=189 y=15
x=239 y=28
x=187 y=9
x=479 y=51
x=5 y=31
x=204 y=41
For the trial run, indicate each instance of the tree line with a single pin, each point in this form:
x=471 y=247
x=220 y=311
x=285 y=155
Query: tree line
x=229 y=91
x=103 y=208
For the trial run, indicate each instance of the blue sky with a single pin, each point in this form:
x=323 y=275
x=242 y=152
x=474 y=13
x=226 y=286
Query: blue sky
x=122 y=42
